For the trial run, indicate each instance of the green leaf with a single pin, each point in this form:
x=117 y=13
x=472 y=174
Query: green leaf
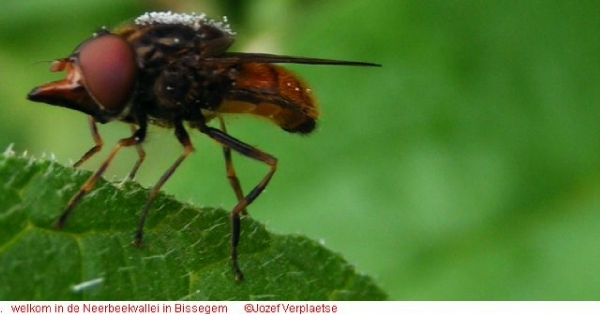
x=184 y=255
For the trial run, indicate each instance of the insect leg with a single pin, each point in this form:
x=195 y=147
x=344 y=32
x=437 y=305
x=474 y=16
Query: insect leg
x=253 y=153
x=229 y=169
x=97 y=140
x=141 y=156
x=184 y=139
x=135 y=139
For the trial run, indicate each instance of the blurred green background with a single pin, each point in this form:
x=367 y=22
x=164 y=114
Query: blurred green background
x=467 y=167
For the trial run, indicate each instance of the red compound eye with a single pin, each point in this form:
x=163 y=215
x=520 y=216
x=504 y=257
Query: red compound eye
x=108 y=69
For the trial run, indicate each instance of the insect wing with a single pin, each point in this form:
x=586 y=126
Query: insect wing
x=237 y=57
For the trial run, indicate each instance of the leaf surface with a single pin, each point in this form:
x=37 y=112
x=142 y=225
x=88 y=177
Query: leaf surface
x=185 y=255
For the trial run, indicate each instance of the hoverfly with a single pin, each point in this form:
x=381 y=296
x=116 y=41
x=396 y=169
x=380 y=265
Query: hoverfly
x=167 y=68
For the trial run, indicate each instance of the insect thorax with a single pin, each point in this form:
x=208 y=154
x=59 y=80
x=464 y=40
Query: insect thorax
x=174 y=82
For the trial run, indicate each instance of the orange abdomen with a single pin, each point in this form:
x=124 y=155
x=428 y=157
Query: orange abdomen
x=272 y=92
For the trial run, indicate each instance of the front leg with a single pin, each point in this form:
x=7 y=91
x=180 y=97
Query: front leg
x=141 y=156
x=136 y=138
x=97 y=141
